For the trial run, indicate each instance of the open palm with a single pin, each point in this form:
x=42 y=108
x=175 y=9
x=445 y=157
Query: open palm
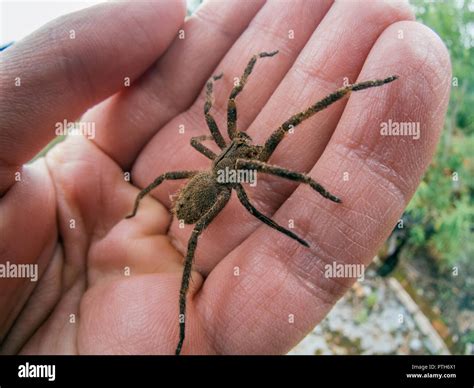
x=111 y=285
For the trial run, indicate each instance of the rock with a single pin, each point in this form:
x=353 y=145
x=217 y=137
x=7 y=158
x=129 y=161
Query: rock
x=416 y=345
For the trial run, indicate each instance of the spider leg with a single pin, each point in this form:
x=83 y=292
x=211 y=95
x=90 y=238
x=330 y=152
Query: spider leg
x=287 y=174
x=196 y=143
x=205 y=220
x=244 y=200
x=211 y=123
x=231 y=108
x=167 y=175
x=277 y=136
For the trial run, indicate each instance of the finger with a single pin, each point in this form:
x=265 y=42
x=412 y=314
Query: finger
x=328 y=56
x=282 y=290
x=269 y=30
x=269 y=25
x=334 y=56
x=128 y=120
x=56 y=73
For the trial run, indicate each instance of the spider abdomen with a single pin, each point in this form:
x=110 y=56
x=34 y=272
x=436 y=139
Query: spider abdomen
x=196 y=198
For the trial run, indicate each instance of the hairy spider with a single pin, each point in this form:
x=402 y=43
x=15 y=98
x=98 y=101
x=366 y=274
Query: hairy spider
x=204 y=196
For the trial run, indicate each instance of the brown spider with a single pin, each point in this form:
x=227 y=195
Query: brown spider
x=204 y=196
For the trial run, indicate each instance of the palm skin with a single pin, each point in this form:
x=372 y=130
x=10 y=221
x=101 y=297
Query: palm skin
x=110 y=285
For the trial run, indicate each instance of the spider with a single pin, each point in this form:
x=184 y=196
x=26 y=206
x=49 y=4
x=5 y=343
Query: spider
x=204 y=196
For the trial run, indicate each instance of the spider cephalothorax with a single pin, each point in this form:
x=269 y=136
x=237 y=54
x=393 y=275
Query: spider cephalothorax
x=207 y=192
x=201 y=192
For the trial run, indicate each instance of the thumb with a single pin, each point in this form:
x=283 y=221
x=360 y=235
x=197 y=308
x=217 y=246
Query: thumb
x=72 y=63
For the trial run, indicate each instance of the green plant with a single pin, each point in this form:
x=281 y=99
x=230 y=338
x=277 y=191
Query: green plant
x=443 y=208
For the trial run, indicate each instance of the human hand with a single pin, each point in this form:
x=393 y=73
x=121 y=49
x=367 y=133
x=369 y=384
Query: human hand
x=253 y=289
